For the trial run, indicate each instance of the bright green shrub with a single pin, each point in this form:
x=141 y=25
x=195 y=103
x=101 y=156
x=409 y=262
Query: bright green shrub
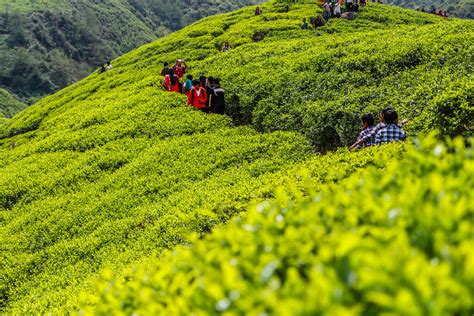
x=453 y=110
x=391 y=241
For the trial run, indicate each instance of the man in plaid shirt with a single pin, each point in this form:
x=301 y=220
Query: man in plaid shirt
x=391 y=132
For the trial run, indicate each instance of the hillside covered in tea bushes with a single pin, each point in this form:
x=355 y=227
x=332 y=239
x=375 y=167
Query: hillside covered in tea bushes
x=100 y=182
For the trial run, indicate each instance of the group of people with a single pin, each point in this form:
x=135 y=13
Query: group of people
x=390 y=129
x=333 y=8
x=106 y=66
x=440 y=13
x=204 y=94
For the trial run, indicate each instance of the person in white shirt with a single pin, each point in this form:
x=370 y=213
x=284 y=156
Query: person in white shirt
x=337 y=10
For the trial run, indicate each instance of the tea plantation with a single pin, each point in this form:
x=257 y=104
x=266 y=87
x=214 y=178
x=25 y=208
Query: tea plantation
x=396 y=242
x=116 y=199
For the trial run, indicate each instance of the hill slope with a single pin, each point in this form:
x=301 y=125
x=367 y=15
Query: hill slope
x=113 y=170
x=9 y=105
x=47 y=45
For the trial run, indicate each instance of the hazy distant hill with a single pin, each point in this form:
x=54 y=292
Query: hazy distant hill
x=456 y=8
x=47 y=45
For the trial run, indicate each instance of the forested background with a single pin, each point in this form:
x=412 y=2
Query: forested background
x=47 y=45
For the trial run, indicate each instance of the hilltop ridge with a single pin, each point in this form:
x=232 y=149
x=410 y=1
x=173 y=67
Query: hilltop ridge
x=114 y=171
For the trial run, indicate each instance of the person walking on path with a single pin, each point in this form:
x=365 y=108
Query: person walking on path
x=217 y=99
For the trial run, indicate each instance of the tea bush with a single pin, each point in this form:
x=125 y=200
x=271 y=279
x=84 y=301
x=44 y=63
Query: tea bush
x=392 y=241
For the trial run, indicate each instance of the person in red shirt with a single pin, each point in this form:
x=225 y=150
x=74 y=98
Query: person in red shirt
x=198 y=97
x=180 y=68
x=171 y=82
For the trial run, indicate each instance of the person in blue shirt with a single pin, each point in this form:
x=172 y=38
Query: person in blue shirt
x=188 y=84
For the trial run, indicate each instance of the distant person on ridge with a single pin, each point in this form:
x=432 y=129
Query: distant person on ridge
x=217 y=99
x=108 y=66
x=337 y=10
x=225 y=47
x=327 y=10
x=391 y=132
x=349 y=5
x=368 y=124
x=179 y=68
x=171 y=82
x=258 y=11
x=188 y=84
x=102 y=68
x=164 y=70
x=198 y=97
x=305 y=25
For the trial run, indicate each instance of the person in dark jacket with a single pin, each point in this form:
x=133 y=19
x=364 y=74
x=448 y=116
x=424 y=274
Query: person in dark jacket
x=217 y=99
x=209 y=89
